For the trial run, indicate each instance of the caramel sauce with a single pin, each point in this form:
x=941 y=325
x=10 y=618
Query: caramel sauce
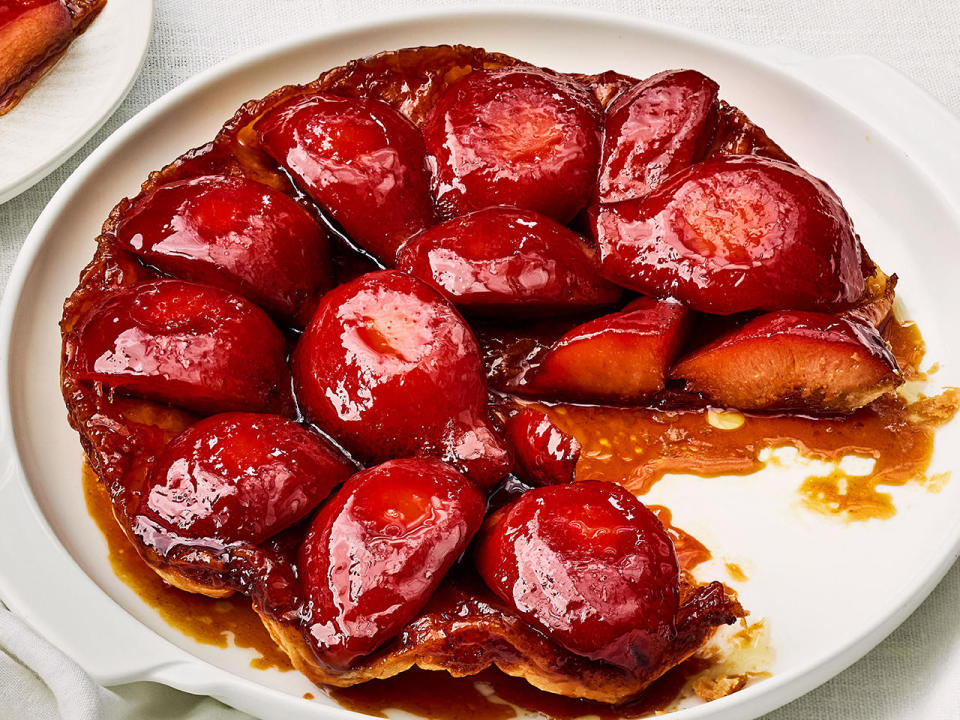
x=207 y=620
x=690 y=551
x=908 y=347
x=638 y=446
x=736 y=572
x=494 y=695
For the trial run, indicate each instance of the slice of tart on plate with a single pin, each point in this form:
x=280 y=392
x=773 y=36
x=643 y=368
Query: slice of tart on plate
x=34 y=34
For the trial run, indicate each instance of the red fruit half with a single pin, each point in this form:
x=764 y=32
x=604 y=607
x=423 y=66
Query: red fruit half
x=654 y=129
x=793 y=360
x=621 y=357
x=517 y=136
x=545 y=454
x=360 y=160
x=235 y=234
x=193 y=346
x=377 y=551
x=390 y=369
x=238 y=477
x=504 y=260
x=735 y=234
x=589 y=565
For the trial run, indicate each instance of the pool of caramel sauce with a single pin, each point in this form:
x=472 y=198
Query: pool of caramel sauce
x=207 y=620
x=634 y=446
x=638 y=446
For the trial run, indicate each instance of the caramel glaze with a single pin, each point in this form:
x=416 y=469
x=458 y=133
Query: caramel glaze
x=690 y=551
x=638 y=446
x=736 y=572
x=207 y=620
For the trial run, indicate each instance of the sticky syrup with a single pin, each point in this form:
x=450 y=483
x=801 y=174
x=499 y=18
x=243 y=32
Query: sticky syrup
x=638 y=446
x=736 y=572
x=690 y=551
x=207 y=620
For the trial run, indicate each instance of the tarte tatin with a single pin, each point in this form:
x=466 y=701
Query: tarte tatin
x=34 y=34
x=332 y=359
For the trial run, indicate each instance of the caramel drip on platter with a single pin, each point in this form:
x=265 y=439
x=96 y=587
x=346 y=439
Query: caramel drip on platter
x=207 y=620
x=690 y=551
x=736 y=572
x=638 y=446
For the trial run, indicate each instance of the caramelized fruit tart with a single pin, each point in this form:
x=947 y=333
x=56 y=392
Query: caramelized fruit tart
x=34 y=34
x=326 y=361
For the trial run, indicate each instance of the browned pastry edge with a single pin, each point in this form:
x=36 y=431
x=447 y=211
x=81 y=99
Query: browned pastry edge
x=467 y=631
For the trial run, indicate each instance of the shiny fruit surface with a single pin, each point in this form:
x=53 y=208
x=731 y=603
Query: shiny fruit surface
x=793 y=360
x=193 y=346
x=735 y=234
x=389 y=368
x=621 y=357
x=589 y=565
x=236 y=234
x=504 y=260
x=377 y=551
x=518 y=136
x=545 y=454
x=239 y=477
x=654 y=129
x=360 y=160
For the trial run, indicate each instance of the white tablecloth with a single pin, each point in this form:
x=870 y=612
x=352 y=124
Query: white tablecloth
x=914 y=674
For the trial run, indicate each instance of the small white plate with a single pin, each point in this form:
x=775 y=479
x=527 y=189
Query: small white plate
x=76 y=97
x=829 y=591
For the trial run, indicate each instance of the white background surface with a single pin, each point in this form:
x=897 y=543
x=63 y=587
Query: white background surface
x=914 y=673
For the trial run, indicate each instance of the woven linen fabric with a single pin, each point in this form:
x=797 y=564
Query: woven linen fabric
x=913 y=674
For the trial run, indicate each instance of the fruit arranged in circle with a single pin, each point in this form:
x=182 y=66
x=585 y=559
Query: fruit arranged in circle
x=654 y=129
x=377 y=551
x=194 y=346
x=518 y=136
x=360 y=160
x=460 y=166
x=503 y=259
x=390 y=369
x=735 y=234
x=235 y=234
x=545 y=454
x=238 y=477
x=793 y=360
x=621 y=357
x=589 y=565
